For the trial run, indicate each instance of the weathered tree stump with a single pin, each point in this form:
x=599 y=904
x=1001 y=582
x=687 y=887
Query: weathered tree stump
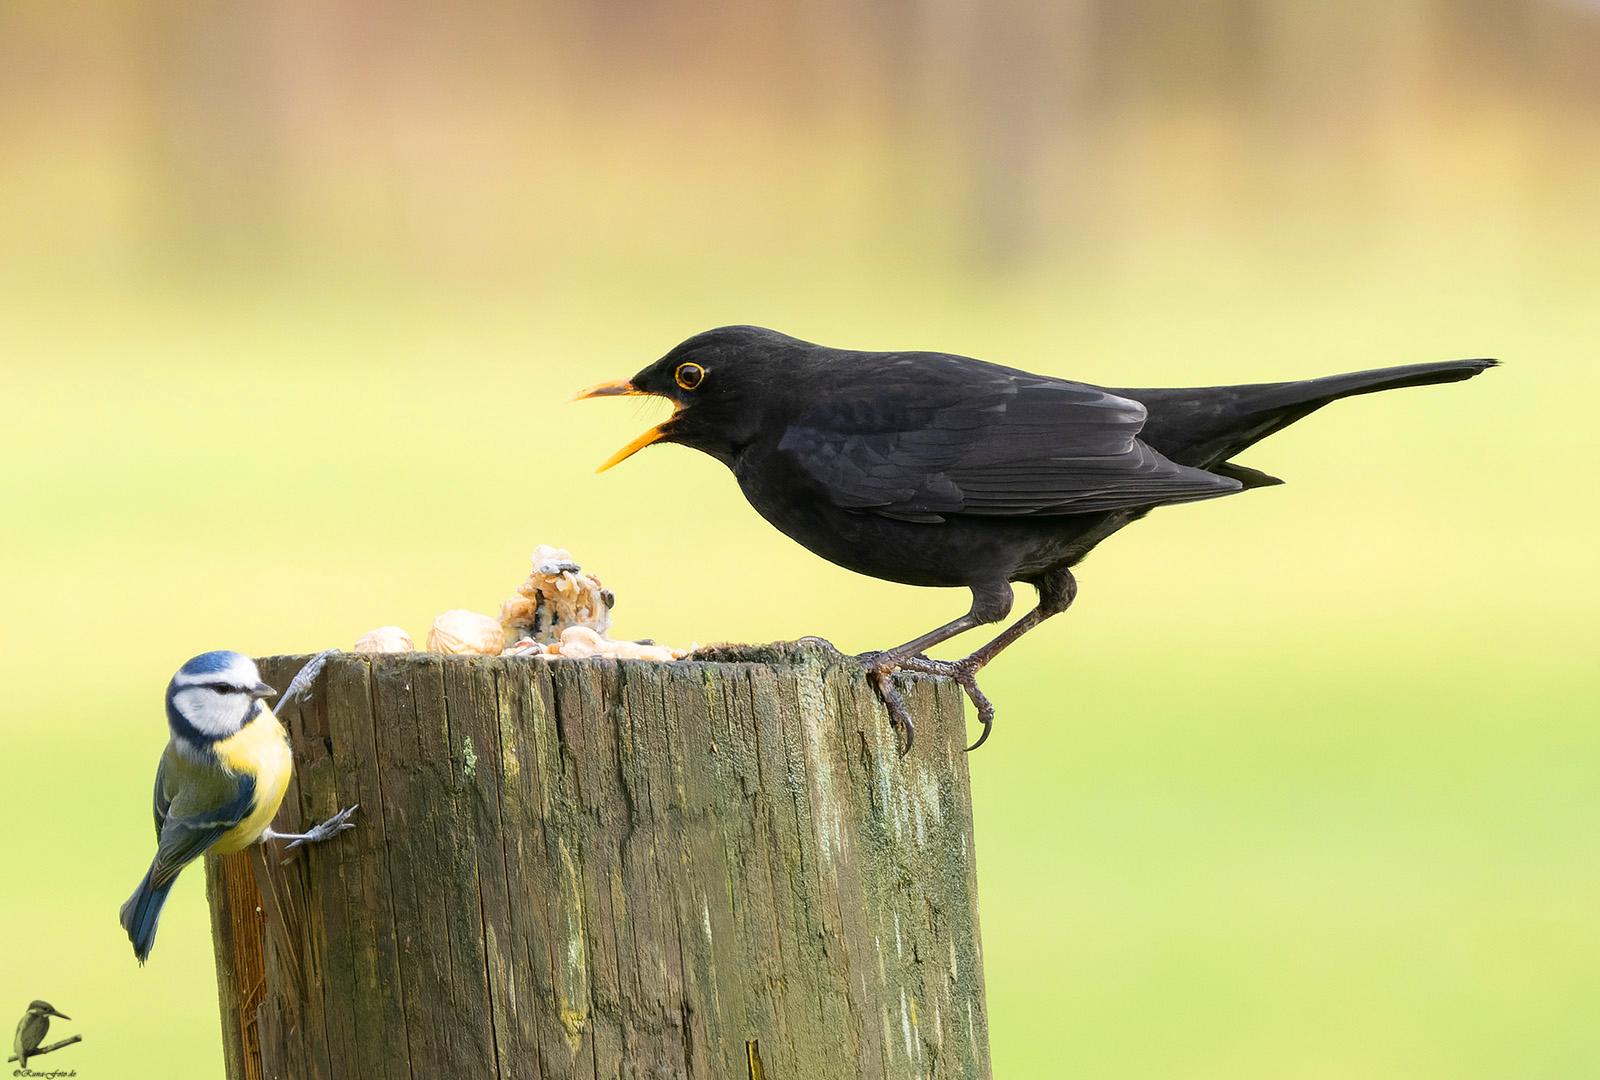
x=586 y=868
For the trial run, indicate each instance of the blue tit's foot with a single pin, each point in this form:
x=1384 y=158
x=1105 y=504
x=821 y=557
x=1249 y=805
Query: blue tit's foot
x=335 y=825
x=300 y=686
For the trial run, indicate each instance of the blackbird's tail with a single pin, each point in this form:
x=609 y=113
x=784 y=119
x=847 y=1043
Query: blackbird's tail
x=1205 y=426
x=143 y=910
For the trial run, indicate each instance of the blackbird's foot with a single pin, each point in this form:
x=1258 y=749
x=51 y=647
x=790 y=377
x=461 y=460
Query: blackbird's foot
x=965 y=673
x=882 y=666
x=826 y=645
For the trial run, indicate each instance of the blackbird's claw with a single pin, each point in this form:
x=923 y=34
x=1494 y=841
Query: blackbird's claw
x=985 y=709
x=824 y=644
x=881 y=670
x=899 y=715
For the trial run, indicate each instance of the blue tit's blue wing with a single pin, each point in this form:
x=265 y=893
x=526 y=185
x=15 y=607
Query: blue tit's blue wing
x=203 y=801
x=162 y=800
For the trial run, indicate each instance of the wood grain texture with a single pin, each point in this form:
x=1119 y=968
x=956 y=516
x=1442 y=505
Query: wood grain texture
x=702 y=870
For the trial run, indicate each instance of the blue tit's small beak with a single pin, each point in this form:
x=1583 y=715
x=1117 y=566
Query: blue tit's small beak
x=261 y=689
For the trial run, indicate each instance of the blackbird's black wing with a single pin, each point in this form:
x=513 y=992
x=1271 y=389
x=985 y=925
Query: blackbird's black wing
x=922 y=436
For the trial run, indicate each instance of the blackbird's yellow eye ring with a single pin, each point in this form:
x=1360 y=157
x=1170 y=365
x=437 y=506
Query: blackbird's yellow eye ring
x=689 y=376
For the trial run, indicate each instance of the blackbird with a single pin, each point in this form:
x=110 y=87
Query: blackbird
x=934 y=469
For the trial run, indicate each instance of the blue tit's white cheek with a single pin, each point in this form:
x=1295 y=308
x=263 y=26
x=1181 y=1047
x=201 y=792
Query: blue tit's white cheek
x=211 y=713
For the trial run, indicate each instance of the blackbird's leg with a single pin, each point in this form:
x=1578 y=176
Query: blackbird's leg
x=1056 y=594
x=990 y=603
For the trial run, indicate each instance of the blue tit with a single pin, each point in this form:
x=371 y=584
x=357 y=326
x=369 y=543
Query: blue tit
x=221 y=777
x=32 y=1028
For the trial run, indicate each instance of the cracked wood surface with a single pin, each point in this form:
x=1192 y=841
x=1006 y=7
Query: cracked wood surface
x=589 y=868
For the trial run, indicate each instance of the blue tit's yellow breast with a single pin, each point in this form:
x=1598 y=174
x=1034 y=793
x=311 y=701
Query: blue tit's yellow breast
x=261 y=751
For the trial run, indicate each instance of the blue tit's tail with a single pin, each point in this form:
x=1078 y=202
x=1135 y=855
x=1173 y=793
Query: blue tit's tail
x=143 y=910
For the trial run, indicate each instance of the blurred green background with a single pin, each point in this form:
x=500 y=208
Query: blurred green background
x=1305 y=786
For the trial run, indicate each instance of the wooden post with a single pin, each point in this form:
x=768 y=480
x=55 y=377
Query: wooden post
x=587 y=868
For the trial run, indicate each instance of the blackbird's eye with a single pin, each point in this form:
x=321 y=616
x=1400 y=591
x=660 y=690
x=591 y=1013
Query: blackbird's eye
x=689 y=376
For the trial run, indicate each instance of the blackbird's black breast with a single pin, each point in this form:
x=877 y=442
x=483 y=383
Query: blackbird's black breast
x=957 y=550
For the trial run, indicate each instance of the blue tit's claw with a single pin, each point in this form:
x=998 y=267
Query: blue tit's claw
x=300 y=686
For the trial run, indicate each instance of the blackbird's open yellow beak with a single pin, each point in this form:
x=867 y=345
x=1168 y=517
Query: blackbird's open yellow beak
x=624 y=388
x=614 y=388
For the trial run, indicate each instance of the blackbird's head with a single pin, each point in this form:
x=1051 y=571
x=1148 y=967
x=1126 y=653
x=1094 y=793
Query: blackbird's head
x=726 y=386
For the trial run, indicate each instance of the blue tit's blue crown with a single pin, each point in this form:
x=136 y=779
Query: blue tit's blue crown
x=222 y=669
x=214 y=663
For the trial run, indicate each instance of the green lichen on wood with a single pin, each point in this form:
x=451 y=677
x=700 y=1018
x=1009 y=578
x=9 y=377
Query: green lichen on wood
x=605 y=869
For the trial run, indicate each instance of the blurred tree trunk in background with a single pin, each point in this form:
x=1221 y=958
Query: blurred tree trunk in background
x=216 y=113
x=1030 y=73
